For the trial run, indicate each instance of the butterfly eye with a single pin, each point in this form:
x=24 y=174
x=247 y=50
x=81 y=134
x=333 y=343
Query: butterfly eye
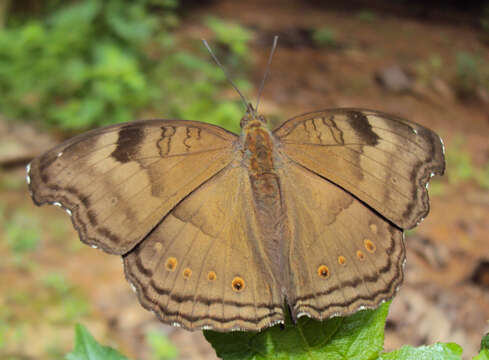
x=244 y=120
x=238 y=284
x=341 y=260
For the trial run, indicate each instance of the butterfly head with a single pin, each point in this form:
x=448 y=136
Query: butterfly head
x=252 y=119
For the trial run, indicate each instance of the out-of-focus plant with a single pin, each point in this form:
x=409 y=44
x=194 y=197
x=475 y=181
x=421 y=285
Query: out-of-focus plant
x=459 y=163
x=429 y=69
x=22 y=233
x=161 y=346
x=92 y=63
x=460 y=167
x=367 y=16
x=482 y=177
x=471 y=74
x=325 y=37
x=190 y=83
x=232 y=35
x=80 y=66
x=190 y=88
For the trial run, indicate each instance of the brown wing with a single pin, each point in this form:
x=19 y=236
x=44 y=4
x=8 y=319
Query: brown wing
x=382 y=160
x=118 y=182
x=203 y=265
x=342 y=255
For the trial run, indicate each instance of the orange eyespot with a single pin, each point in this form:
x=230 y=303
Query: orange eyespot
x=369 y=245
x=323 y=271
x=341 y=260
x=360 y=255
x=187 y=273
x=238 y=284
x=211 y=276
x=171 y=264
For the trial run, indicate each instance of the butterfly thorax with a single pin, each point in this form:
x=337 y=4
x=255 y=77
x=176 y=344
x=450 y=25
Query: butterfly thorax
x=258 y=144
x=258 y=150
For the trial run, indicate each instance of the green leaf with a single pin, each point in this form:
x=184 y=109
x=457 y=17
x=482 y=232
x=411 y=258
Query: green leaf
x=483 y=355
x=359 y=336
x=485 y=342
x=438 y=351
x=78 y=13
x=87 y=348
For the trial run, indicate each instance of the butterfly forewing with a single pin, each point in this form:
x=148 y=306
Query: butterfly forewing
x=382 y=160
x=118 y=182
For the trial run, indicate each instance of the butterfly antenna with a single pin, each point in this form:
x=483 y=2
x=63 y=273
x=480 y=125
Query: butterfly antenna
x=225 y=73
x=267 y=70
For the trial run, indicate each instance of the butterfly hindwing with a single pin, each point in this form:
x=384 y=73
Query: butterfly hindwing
x=118 y=182
x=382 y=160
x=203 y=267
x=342 y=256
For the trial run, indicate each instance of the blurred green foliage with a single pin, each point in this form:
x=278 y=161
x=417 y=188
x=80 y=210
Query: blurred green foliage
x=22 y=232
x=460 y=169
x=430 y=68
x=161 y=347
x=482 y=177
x=45 y=297
x=325 y=37
x=93 y=63
x=10 y=181
x=484 y=349
x=459 y=163
x=460 y=166
x=50 y=300
x=485 y=342
x=231 y=35
x=471 y=74
x=367 y=15
x=57 y=282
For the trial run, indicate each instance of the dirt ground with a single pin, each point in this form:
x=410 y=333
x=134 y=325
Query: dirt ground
x=445 y=296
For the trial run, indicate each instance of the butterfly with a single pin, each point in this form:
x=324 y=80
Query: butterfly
x=219 y=231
